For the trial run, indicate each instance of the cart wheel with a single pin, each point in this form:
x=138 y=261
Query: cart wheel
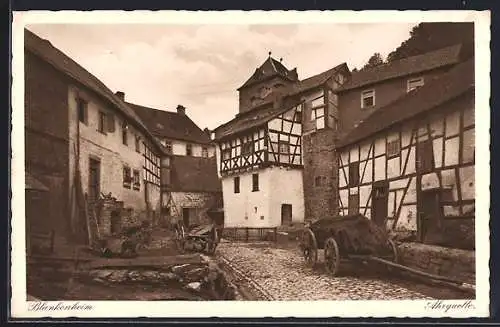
x=332 y=256
x=180 y=237
x=394 y=248
x=309 y=247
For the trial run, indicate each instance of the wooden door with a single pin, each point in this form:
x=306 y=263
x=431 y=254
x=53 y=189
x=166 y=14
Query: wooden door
x=94 y=180
x=380 y=194
x=425 y=157
x=286 y=214
x=185 y=217
x=429 y=224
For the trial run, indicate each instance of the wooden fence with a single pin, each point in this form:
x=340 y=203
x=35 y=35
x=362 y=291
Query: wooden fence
x=248 y=234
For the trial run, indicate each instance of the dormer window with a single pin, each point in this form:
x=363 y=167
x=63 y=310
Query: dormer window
x=414 y=84
x=367 y=98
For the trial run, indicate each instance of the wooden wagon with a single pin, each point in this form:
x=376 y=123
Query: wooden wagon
x=346 y=238
x=203 y=238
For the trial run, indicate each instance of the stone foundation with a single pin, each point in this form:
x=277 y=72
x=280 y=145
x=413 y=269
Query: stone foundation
x=204 y=278
x=452 y=263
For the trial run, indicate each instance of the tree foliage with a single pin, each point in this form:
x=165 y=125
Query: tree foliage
x=375 y=60
x=426 y=37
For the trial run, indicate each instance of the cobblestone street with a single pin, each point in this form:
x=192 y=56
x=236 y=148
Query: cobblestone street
x=282 y=273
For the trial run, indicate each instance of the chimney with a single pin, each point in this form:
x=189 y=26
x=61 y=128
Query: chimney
x=121 y=95
x=181 y=110
x=207 y=131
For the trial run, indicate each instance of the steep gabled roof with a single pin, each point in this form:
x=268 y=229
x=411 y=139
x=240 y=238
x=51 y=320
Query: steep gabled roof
x=60 y=61
x=271 y=67
x=266 y=111
x=194 y=174
x=172 y=125
x=407 y=66
x=456 y=82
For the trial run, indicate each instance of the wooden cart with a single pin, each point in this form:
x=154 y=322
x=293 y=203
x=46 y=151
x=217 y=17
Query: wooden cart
x=203 y=238
x=346 y=238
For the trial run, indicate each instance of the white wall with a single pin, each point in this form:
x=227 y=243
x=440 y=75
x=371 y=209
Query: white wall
x=263 y=208
x=450 y=172
x=179 y=148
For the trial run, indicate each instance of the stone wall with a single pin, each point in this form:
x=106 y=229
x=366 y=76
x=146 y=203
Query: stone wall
x=453 y=263
x=204 y=277
x=320 y=174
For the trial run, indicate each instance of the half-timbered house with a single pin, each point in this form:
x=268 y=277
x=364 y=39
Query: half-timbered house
x=85 y=145
x=409 y=166
x=189 y=183
x=261 y=151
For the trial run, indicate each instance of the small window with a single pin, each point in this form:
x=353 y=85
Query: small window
x=137 y=144
x=127 y=178
x=255 y=182
x=415 y=83
x=125 y=133
x=298 y=116
x=353 y=173
x=236 y=181
x=318 y=102
x=136 y=180
x=393 y=148
x=247 y=148
x=318 y=115
x=204 y=152
x=189 y=149
x=367 y=98
x=101 y=125
x=168 y=146
x=284 y=147
x=82 y=110
x=226 y=154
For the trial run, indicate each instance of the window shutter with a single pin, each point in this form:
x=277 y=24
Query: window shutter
x=111 y=122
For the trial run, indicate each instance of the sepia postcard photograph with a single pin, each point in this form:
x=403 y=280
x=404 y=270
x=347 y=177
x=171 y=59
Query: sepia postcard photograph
x=250 y=164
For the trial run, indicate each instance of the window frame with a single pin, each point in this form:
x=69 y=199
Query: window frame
x=255 y=182
x=410 y=80
x=247 y=147
x=127 y=177
x=189 y=149
x=204 y=152
x=102 y=122
x=363 y=97
x=82 y=110
x=236 y=184
x=397 y=148
x=353 y=181
x=138 y=144
x=125 y=133
x=136 y=181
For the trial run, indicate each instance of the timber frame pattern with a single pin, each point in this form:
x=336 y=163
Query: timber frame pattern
x=446 y=164
x=277 y=142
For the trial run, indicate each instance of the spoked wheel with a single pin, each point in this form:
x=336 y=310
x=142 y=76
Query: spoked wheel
x=309 y=247
x=332 y=256
x=180 y=237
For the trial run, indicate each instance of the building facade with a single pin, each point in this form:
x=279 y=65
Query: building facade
x=275 y=135
x=190 y=187
x=89 y=148
x=410 y=165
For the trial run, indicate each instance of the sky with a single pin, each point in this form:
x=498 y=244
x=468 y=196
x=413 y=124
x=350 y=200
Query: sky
x=201 y=66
